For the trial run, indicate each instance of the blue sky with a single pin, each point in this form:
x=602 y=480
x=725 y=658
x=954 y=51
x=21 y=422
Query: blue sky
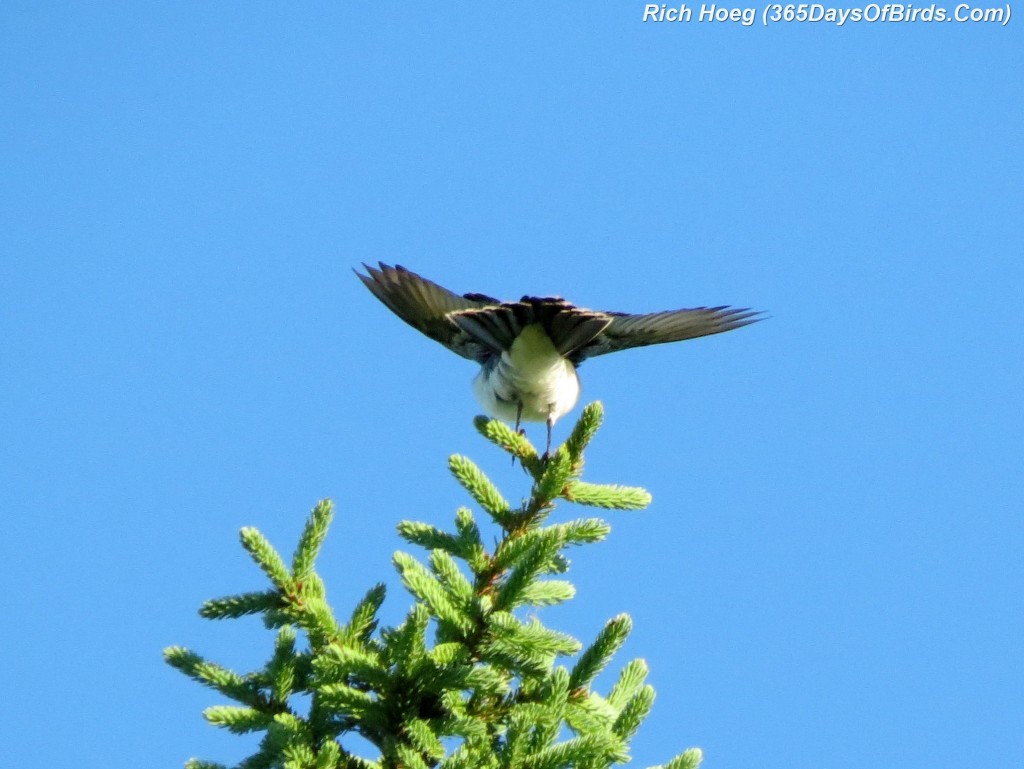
x=831 y=571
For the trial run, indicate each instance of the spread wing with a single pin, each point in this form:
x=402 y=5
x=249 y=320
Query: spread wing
x=627 y=330
x=477 y=326
x=428 y=307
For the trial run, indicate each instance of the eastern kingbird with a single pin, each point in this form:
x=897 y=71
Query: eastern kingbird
x=529 y=350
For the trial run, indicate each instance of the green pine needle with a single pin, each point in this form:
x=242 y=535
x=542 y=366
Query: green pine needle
x=507 y=439
x=606 y=748
x=479 y=487
x=583 y=531
x=630 y=680
x=554 y=478
x=608 y=496
x=460 y=590
x=534 y=559
x=513 y=550
x=428 y=589
x=546 y=593
x=317 y=619
x=233 y=606
x=635 y=711
x=282 y=666
x=430 y=537
x=424 y=739
x=237 y=720
x=225 y=681
x=340 y=663
x=267 y=558
x=599 y=654
x=405 y=645
x=312 y=539
x=584 y=430
x=364 y=617
x=529 y=641
x=347 y=700
x=471 y=546
x=590 y=713
x=689 y=759
x=410 y=758
x=328 y=756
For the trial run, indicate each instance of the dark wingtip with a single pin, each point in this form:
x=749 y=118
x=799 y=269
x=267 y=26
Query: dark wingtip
x=374 y=276
x=739 y=317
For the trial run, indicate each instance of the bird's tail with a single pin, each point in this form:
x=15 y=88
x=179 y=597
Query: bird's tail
x=497 y=327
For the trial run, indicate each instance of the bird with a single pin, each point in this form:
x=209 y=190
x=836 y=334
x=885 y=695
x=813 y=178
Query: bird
x=529 y=351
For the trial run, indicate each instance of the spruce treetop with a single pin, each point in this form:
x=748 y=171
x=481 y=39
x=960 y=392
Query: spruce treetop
x=467 y=680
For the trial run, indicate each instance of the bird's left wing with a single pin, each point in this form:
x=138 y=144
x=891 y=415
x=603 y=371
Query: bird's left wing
x=627 y=330
x=427 y=307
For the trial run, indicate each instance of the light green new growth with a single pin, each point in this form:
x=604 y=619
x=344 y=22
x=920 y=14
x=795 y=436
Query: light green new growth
x=471 y=679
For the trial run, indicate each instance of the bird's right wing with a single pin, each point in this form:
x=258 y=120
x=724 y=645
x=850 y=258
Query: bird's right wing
x=427 y=307
x=627 y=330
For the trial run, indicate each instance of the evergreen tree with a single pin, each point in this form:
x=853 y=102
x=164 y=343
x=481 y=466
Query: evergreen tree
x=487 y=691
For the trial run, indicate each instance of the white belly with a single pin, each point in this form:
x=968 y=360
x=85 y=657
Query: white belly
x=533 y=374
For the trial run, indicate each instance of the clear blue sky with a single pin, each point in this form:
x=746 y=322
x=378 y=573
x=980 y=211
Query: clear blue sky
x=831 y=573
